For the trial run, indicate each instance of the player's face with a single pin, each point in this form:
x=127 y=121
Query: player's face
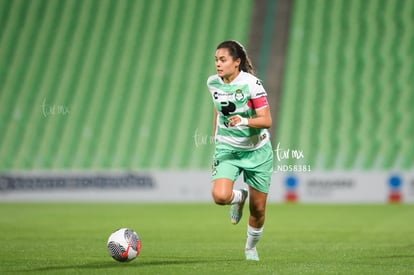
x=227 y=68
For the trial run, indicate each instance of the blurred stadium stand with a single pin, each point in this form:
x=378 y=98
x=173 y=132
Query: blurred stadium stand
x=348 y=95
x=101 y=85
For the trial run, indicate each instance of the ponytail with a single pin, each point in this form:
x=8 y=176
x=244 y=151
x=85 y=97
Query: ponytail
x=236 y=50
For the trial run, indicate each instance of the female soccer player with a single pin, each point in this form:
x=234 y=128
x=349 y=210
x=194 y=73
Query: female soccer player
x=241 y=119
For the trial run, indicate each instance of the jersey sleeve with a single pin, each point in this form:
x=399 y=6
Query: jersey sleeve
x=257 y=90
x=211 y=87
x=258 y=95
x=208 y=84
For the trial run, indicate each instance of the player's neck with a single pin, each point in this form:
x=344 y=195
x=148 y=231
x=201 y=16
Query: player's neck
x=230 y=78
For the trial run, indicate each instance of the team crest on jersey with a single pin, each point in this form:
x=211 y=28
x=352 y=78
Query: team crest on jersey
x=239 y=95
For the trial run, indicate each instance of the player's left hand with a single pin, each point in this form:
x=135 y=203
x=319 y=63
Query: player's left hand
x=238 y=121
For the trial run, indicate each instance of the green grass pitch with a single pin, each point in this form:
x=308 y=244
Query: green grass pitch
x=59 y=238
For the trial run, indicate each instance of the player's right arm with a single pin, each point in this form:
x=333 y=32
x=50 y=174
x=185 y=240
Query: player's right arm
x=214 y=122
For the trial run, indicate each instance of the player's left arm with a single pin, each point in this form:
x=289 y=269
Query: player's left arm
x=262 y=119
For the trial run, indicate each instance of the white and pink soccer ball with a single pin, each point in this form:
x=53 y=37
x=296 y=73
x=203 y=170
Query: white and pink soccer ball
x=124 y=245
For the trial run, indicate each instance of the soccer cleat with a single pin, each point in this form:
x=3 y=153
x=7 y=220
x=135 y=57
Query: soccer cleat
x=236 y=210
x=251 y=254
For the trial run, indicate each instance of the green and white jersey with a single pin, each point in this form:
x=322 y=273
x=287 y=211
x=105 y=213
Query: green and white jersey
x=237 y=98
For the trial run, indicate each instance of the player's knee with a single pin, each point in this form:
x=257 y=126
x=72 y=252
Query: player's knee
x=257 y=211
x=221 y=198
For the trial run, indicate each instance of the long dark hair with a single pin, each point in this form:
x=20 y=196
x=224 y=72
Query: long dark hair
x=236 y=50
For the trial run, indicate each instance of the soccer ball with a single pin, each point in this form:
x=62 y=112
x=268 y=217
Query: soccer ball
x=124 y=245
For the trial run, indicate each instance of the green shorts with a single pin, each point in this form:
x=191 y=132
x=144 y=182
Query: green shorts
x=256 y=165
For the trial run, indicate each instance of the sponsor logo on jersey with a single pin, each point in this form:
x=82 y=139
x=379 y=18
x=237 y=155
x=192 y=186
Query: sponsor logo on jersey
x=216 y=94
x=260 y=94
x=223 y=96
